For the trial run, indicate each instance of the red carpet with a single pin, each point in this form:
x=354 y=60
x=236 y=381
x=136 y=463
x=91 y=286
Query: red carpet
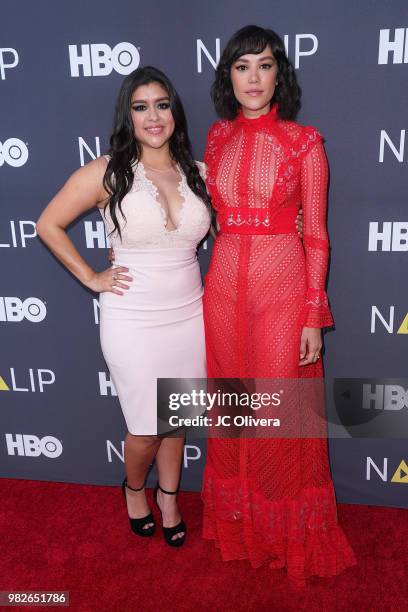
x=76 y=538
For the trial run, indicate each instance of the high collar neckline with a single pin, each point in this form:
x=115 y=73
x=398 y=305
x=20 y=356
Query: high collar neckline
x=258 y=122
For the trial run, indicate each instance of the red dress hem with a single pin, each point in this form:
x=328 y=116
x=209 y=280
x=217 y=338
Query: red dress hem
x=301 y=534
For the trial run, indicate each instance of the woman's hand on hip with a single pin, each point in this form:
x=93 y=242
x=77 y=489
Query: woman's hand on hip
x=310 y=345
x=110 y=280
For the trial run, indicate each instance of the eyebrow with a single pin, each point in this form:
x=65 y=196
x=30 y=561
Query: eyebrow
x=155 y=100
x=261 y=59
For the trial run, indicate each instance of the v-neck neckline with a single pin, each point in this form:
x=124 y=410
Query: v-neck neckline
x=154 y=192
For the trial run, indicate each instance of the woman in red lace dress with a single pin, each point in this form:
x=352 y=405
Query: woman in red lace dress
x=264 y=307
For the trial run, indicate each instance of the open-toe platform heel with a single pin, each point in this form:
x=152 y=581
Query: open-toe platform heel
x=137 y=525
x=170 y=532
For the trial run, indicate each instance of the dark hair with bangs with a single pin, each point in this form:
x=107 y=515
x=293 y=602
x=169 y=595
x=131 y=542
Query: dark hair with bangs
x=253 y=39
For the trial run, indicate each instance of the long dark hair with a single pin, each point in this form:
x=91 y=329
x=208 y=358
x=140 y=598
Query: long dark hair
x=125 y=150
x=253 y=39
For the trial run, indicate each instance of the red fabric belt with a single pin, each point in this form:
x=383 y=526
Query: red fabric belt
x=258 y=221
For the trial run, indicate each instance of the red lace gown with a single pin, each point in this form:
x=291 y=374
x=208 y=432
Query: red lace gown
x=268 y=499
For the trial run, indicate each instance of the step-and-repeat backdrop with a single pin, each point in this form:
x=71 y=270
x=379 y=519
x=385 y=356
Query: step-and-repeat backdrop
x=61 y=67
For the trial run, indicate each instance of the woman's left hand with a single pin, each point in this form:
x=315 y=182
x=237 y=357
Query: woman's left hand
x=310 y=345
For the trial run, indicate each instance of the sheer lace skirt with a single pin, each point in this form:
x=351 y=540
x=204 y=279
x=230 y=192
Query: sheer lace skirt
x=266 y=499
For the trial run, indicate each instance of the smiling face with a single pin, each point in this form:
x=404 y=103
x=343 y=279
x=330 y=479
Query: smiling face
x=253 y=78
x=152 y=119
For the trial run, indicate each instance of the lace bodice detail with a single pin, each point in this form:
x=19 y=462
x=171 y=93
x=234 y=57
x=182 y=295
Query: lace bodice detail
x=146 y=219
x=260 y=170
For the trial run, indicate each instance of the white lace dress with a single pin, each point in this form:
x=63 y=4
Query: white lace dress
x=155 y=330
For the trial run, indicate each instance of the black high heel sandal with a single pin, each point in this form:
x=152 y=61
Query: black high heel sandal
x=169 y=532
x=137 y=525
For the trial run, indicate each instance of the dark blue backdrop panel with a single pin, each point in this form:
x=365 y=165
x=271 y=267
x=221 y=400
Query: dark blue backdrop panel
x=58 y=84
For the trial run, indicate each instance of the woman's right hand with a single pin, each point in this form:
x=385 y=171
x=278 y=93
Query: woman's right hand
x=110 y=280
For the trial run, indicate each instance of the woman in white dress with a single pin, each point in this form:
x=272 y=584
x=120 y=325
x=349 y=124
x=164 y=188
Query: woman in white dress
x=153 y=200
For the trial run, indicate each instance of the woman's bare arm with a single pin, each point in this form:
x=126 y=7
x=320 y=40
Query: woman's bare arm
x=83 y=191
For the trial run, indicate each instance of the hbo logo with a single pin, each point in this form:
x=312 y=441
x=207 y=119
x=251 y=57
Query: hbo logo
x=100 y=59
x=15 y=310
x=31 y=446
x=14 y=152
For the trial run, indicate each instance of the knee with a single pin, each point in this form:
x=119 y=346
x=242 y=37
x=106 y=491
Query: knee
x=147 y=442
x=151 y=441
